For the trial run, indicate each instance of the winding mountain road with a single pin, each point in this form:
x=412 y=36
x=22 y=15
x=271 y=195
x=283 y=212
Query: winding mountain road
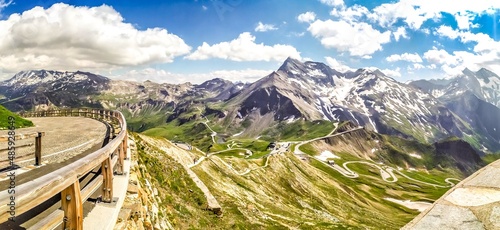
x=386 y=172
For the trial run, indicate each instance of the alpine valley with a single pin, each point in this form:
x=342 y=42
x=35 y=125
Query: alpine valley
x=304 y=147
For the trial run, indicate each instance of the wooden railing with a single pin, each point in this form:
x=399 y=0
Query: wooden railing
x=66 y=180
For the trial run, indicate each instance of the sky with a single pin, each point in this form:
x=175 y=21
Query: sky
x=193 y=41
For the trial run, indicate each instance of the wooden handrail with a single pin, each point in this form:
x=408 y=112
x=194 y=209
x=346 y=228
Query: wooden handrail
x=33 y=193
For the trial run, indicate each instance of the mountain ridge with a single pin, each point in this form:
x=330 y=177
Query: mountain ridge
x=423 y=110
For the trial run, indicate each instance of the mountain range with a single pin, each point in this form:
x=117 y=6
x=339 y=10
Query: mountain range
x=425 y=110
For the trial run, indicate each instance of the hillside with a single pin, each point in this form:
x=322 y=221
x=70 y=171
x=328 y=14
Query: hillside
x=284 y=190
x=19 y=121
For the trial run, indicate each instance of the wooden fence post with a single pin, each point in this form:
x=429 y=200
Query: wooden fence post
x=72 y=205
x=107 y=183
x=124 y=147
x=38 y=148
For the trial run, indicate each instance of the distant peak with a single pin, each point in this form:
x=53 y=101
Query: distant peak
x=291 y=63
x=468 y=72
x=484 y=70
x=292 y=60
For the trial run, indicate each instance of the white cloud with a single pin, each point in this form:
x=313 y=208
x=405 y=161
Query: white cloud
x=296 y=34
x=440 y=56
x=264 y=27
x=337 y=65
x=392 y=73
x=400 y=33
x=415 y=66
x=204 y=8
x=359 y=39
x=244 y=48
x=415 y=12
x=404 y=57
x=65 y=37
x=306 y=17
x=163 y=76
x=464 y=20
x=334 y=3
x=388 y=13
x=350 y=14
x=485 y=52
x=446 y=31
x=4 y=4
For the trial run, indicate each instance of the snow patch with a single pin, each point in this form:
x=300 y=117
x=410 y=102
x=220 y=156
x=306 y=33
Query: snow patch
x=327 y=154
x=416 y=205
x=415 y=155
x=235 y=135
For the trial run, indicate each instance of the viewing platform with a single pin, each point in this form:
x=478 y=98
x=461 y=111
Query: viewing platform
x=474 y=203
x=70 y=171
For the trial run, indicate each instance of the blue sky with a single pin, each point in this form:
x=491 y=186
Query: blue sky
x=243 y=40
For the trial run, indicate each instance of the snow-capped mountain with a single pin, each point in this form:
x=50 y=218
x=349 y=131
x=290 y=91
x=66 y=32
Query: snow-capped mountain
x=296 y=91
x=313 y=90
x=475 y=98
x=483 y=83
x=28 y=89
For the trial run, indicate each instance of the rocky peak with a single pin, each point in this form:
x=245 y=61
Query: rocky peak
x=468 y=72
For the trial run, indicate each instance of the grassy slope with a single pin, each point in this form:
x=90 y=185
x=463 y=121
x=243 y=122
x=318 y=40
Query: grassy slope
x=182 y=208
x=293 y=193
x=197 y=134
x=298 y=130
x=19 y=121
x=314 y=196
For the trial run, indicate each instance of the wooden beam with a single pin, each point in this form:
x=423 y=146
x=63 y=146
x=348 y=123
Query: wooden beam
x=91 y=187
x=121 y=158
x=72 y=205
x=107 y=183
x=19 y=136
x=49 y=222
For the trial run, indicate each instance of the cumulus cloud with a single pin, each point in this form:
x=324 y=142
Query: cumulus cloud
x=163 y=76
x=440 y=56
x=306 y=17
x=337 y=65
x=404 y=57
x=415 y=12
x=446 y=31
x=418 y=66
x=244 y=48
x=335 y=3
x=485 y=52
x=400 y=33
x=358 y=39
x=350 y=14
x=65 y=37
x=392 y=73
x=264 y=27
